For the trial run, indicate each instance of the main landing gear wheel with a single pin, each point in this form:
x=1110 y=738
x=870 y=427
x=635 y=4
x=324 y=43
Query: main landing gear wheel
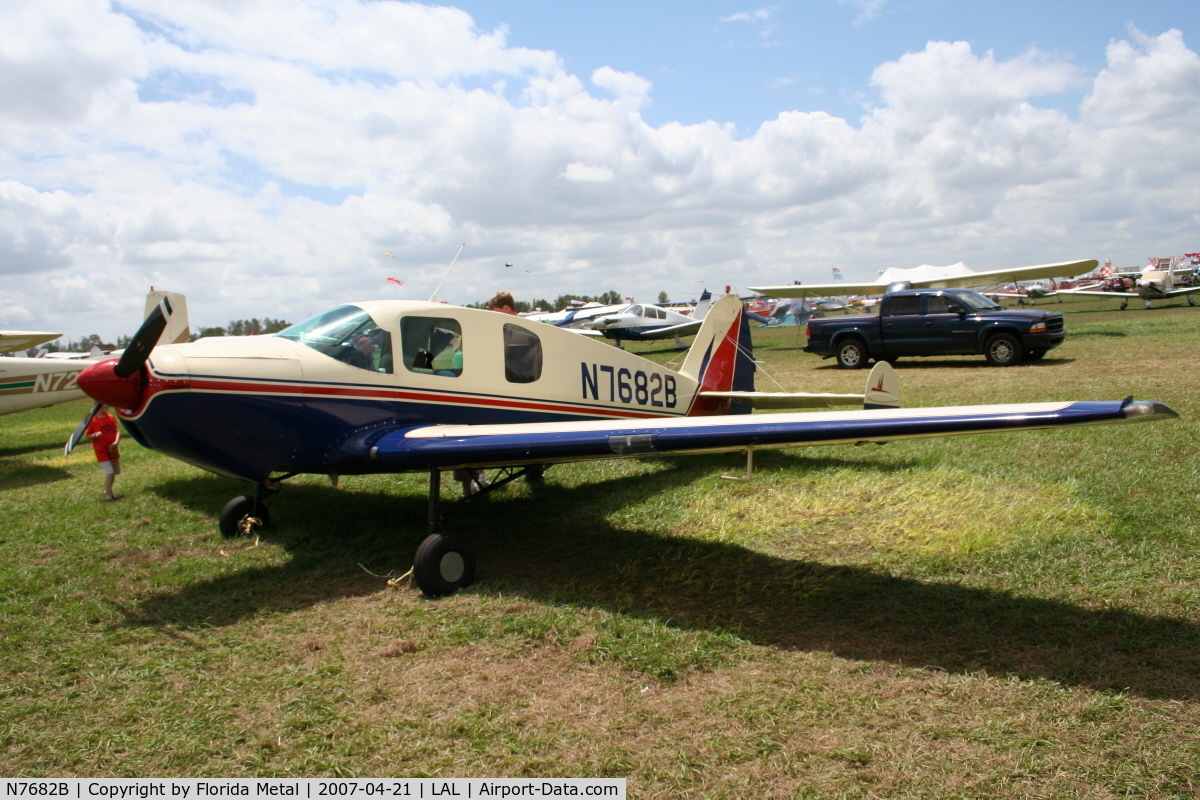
x=235 y=517
x=444 y=564
x=1002 y=350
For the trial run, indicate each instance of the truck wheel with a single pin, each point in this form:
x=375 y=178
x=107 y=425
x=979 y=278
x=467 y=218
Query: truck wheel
x=852 y=354
x=1003 y=350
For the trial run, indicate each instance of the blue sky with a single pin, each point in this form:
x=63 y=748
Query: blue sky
x=274 y=158
x=744 y=63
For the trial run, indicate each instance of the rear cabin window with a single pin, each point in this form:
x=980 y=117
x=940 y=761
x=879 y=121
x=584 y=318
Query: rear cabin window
x=432 y=345
x=347 y=334
x=906 y=306
x=522 y=354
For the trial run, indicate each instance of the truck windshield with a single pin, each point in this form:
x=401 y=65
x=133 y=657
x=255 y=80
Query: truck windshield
x=976 y=301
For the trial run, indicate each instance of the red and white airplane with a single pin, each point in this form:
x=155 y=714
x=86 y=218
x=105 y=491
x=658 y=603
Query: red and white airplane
x=1160 y=280
x=393 y=386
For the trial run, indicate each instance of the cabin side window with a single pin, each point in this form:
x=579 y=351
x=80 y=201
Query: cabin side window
x=522 y=355
x=347 y=334
x=432 y=345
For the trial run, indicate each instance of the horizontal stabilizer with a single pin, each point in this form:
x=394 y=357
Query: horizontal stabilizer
x=789 y=399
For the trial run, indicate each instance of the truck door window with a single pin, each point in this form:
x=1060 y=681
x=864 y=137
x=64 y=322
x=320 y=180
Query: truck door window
x=432 y=345
x=522 y=355
x=941 y=304
x=905 y=306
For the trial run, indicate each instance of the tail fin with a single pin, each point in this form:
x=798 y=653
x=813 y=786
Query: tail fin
x=883 y=390
x=701 y=309
x=721 y=358
x=177 y=329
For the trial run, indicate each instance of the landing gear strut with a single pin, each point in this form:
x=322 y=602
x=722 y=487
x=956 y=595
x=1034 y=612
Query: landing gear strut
x=445 y=561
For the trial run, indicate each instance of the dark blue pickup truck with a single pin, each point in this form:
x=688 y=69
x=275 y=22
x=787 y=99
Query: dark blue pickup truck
x=936 y=322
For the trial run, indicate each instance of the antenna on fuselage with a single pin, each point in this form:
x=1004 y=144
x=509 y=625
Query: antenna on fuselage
x=433 y=297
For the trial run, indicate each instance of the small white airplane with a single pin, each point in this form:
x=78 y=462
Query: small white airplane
x=1158 y=281
x=401 y=386
x=925 y=276
x=1030 y=291
x=638 y=322
x=29 y=383
x=575 y=317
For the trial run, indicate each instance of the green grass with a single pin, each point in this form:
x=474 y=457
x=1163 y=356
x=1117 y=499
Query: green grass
x=987 y=616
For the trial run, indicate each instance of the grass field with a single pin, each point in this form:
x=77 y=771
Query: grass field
x=988 y=616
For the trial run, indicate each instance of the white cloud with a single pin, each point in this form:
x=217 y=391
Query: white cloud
x=758 y=15
x=263 y=157
x=867 y=9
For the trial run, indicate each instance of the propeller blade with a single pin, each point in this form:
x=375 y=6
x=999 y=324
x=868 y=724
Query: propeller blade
x=144 y=340
x=78 y=434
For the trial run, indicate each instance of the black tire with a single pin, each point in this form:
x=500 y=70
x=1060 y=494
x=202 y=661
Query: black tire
x=1034 y=355
x=852 y=353
x=444 y=564
x=1003 y=350
x=236 y=510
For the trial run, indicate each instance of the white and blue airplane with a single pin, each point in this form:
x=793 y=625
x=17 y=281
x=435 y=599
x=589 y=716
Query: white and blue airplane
x=640 y=322
x=396 y=386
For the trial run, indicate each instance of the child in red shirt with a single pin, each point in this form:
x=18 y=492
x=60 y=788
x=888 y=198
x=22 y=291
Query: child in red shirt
x=103 y=432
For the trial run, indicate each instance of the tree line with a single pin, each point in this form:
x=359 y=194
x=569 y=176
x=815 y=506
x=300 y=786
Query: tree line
x=564 y=300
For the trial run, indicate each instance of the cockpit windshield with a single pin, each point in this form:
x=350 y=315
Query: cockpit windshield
x=348 y=334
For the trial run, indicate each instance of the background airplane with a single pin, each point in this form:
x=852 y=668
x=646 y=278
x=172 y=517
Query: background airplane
x=927 y=276
x=1031 y=291
x=27 y=383
x=641 y=322
x=382 y=387
x=11 y=341
x=1162 y=279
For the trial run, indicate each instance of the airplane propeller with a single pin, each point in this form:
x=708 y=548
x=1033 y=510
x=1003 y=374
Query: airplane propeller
x=78 y=434
x=111 y=379
x=138 y=350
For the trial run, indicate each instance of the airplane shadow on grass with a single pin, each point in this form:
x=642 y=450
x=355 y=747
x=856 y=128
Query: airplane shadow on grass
x=582 y=559
x=17 y=473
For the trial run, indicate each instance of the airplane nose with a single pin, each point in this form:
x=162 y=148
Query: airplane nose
x=101 y=383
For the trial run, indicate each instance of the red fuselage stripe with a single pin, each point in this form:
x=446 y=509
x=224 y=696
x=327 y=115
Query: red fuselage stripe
x=159 y=384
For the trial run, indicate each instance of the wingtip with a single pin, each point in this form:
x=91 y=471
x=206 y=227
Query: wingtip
x=1140 y=410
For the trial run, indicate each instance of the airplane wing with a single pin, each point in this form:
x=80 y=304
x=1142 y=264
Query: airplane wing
x=1010 y=275
x=966 y=280
x=683 y=329
x=838 y=289
x=455 y=446
x=1098 y=292
x=23 y=340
